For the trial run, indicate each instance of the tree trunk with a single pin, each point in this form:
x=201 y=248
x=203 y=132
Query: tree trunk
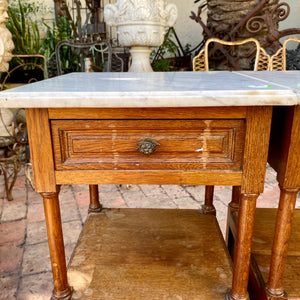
x=223 y=16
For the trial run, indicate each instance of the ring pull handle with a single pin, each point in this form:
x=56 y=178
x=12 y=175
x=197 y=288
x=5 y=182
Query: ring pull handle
x=147 y=146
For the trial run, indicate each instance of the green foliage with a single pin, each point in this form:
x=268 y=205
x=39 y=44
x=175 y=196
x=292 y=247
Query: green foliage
x=26 y=27
x=54 y=35
x=187 y=48
x=169 y=57
x=25 y=32
x=168 y=48
x=162 y=65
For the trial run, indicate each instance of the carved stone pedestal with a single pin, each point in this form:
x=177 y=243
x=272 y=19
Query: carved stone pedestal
x=141 y=24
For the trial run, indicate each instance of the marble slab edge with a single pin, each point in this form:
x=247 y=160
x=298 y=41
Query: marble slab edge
x=204 y=99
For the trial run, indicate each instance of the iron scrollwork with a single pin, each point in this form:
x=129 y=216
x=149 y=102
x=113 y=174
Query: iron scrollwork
x=270 y=20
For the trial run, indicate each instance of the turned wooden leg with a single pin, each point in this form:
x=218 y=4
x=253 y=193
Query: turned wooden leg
x=208 y=207
x=233 y=206
x=95 y=205
x=235 y=198
x=242 y=252
x=62 y=290
x=282 y=235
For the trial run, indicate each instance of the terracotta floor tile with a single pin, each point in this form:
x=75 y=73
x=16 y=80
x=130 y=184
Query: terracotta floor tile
x=112 y=199
x=20 y=182
x=1 y=207
x=35 y=212
x=13 y=210
x=12 y=232
x=83 y=213
x=36 y=259
x=36 y=287
x=69 y=211
x=36 y=233
x=10 y=258
x=33 y=197
x=82 y=198
x=80 y=187
x=71 y=231
x=19 y=194
x=8 y=287
x=66 y=195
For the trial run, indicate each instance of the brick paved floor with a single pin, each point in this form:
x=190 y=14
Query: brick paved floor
x=25 y=271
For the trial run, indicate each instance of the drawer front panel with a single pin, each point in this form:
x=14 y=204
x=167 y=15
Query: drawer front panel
x=181 y=144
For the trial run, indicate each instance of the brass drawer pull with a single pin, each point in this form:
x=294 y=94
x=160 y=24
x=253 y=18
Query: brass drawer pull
x=147 y=146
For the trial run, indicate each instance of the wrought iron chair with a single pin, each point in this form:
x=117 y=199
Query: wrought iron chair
x=201 y=63
x=95 y=55
x=39 y=65
x=278 y=61
x=14 y=149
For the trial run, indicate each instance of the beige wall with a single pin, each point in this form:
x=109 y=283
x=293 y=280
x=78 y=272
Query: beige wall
x=190 y=32
x=293 y=21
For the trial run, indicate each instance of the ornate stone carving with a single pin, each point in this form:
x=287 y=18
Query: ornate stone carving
x=140 y=23
x=6 y=43
x=6 y=48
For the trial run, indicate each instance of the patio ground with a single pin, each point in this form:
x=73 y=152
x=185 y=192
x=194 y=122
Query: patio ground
x=25 y=271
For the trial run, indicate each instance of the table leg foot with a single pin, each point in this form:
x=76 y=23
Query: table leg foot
x=276 y=293
x=232 y=296
x=62 y=295
x=287 y=201
x=94 y=210
x=208 y=208
x=95 y=206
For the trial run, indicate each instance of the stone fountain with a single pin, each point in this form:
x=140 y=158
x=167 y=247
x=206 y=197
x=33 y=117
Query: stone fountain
x=140 y=24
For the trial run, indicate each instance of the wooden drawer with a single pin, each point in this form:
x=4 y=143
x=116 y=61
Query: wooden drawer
x=183 y=144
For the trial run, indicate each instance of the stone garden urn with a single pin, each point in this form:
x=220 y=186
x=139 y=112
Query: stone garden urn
x=140 y=24
x=6 y=48
x=6 y=42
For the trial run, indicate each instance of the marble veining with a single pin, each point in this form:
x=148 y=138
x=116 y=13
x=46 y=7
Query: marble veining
x=165 y=89
x=289 y=79
x=285 y=79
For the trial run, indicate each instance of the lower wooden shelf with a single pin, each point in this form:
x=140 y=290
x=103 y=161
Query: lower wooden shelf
x=153 y=254
x=261 y=253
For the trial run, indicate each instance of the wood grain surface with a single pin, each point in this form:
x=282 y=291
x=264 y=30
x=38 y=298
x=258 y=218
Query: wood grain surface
x=41 y=152
x=150 y=254
x=183 y=144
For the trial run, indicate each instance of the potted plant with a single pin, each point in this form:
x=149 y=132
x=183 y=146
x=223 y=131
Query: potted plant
x=26 y=38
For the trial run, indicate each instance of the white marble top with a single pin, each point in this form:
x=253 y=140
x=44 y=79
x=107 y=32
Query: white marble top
x=167 y=89
x=290 y=79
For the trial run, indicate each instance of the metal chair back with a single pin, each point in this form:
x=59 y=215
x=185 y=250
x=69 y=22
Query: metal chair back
x=261 y=62
x=278 y=60
x=100 y=49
